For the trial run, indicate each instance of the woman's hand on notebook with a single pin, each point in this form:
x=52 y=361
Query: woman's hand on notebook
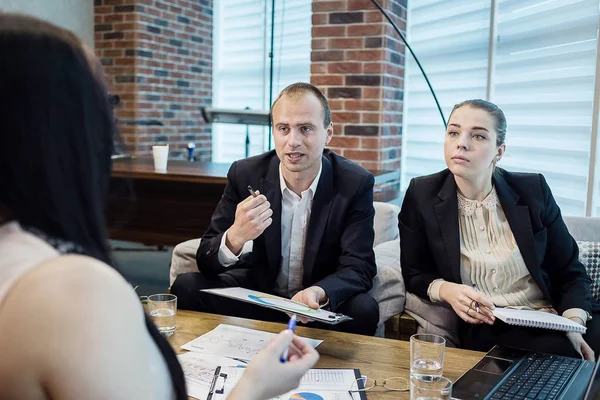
x=463 y=300
x=267 y=377
x=584 y=350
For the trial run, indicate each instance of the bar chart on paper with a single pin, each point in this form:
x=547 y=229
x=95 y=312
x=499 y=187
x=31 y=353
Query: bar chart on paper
x=316 y=384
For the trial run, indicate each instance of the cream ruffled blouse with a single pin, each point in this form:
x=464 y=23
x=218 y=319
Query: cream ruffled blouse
x=490 y=258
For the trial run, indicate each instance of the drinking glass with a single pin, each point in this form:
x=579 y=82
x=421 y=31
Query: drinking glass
x=163 y=309
x=427 y=356
x=426 y=389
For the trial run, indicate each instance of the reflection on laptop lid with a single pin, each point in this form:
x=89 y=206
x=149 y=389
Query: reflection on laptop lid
x=592 y=388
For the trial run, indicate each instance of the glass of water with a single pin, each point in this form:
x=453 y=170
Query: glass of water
x=162 y=309
x=427 y=356
x=426 y=389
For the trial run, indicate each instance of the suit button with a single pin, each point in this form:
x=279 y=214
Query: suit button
x=496 y=289
x=482 y=228
x=493 y=271
x=488 y=251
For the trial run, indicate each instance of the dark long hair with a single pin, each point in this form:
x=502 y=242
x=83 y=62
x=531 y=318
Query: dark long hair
x=56 y=134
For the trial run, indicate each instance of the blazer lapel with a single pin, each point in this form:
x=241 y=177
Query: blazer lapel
x=318 y=218
x=520 y=224
x=447 y=216
x=270 y=187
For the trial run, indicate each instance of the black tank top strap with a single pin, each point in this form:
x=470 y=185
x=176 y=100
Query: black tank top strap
x=170 y=358
x=177 y=377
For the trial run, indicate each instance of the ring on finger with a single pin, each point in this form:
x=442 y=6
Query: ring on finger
x=468 y=309
x=471 y=305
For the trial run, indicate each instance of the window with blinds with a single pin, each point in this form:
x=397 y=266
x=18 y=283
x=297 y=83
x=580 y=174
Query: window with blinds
x=242 y=39
x=543 y=78
x=544 y=82
x=450 y=38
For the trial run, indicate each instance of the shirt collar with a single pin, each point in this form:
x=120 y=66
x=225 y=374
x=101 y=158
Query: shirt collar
x=467 y=206
x=312 y=188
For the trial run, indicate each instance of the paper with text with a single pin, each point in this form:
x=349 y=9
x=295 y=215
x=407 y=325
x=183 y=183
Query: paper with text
x=199 y=371
x=317 y=384
x=235 y=342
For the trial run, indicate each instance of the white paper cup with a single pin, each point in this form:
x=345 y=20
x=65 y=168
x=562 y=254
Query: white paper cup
x=161 y=156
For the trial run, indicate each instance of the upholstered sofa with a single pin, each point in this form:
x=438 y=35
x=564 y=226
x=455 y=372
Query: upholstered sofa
x=388 y=285
x=411 y=313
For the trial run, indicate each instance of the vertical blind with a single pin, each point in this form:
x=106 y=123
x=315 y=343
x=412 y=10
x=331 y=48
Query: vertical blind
x=242 y=38
x=450 y=38
x=543 y=79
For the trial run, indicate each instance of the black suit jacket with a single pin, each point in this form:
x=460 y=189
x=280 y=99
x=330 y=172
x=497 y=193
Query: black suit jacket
x=430 y=243
x=338 y=254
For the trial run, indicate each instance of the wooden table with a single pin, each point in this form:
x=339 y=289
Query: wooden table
x=171 y=207
x=375 y=357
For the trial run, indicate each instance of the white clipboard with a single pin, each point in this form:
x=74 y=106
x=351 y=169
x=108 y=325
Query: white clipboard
x=323 y=384
x=279 y=303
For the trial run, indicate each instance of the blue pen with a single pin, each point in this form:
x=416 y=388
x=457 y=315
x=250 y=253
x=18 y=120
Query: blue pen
x=291 y=327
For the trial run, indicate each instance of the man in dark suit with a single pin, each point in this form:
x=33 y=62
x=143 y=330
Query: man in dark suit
x=309 y=219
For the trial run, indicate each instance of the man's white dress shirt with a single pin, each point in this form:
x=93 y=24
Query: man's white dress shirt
x=295 y=216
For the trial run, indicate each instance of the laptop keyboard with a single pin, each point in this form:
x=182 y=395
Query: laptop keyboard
x=539 y=376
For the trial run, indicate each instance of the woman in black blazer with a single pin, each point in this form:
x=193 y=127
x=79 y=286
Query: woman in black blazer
x=475 y=233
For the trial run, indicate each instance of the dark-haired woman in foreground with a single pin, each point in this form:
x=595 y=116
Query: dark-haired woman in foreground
x=477 y=226
x=70 y=326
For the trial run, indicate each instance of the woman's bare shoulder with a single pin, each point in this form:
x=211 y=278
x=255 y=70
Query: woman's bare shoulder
x=73 y=309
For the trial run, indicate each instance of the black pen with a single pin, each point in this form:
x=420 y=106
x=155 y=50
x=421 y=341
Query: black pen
x=252 y=191
x=476 y=303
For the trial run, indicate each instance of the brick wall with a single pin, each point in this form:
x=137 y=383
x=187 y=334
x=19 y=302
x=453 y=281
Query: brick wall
x=158 y=59
x=358 y=62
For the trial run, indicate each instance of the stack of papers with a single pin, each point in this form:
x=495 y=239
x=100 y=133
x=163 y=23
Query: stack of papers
x=235 y=342
x=206 y=379
x=317 y=384
x=199 y=370
x=226 y=347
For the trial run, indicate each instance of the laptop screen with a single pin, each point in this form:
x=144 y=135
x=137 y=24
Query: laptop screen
x=594 y=384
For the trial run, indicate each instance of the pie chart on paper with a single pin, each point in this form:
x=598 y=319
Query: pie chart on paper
x=305 y=396
x=284 y=303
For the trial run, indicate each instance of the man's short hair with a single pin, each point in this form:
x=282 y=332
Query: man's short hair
x=300 y=88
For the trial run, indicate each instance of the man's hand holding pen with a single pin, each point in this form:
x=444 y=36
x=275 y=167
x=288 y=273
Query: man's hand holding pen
x=252 y=216
x=469 y=304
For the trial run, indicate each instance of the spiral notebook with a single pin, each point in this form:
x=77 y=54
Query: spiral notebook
x=537 y=319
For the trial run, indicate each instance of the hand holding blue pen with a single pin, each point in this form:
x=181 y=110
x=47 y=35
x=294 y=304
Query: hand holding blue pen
x=291 y=327
x=268 y=364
